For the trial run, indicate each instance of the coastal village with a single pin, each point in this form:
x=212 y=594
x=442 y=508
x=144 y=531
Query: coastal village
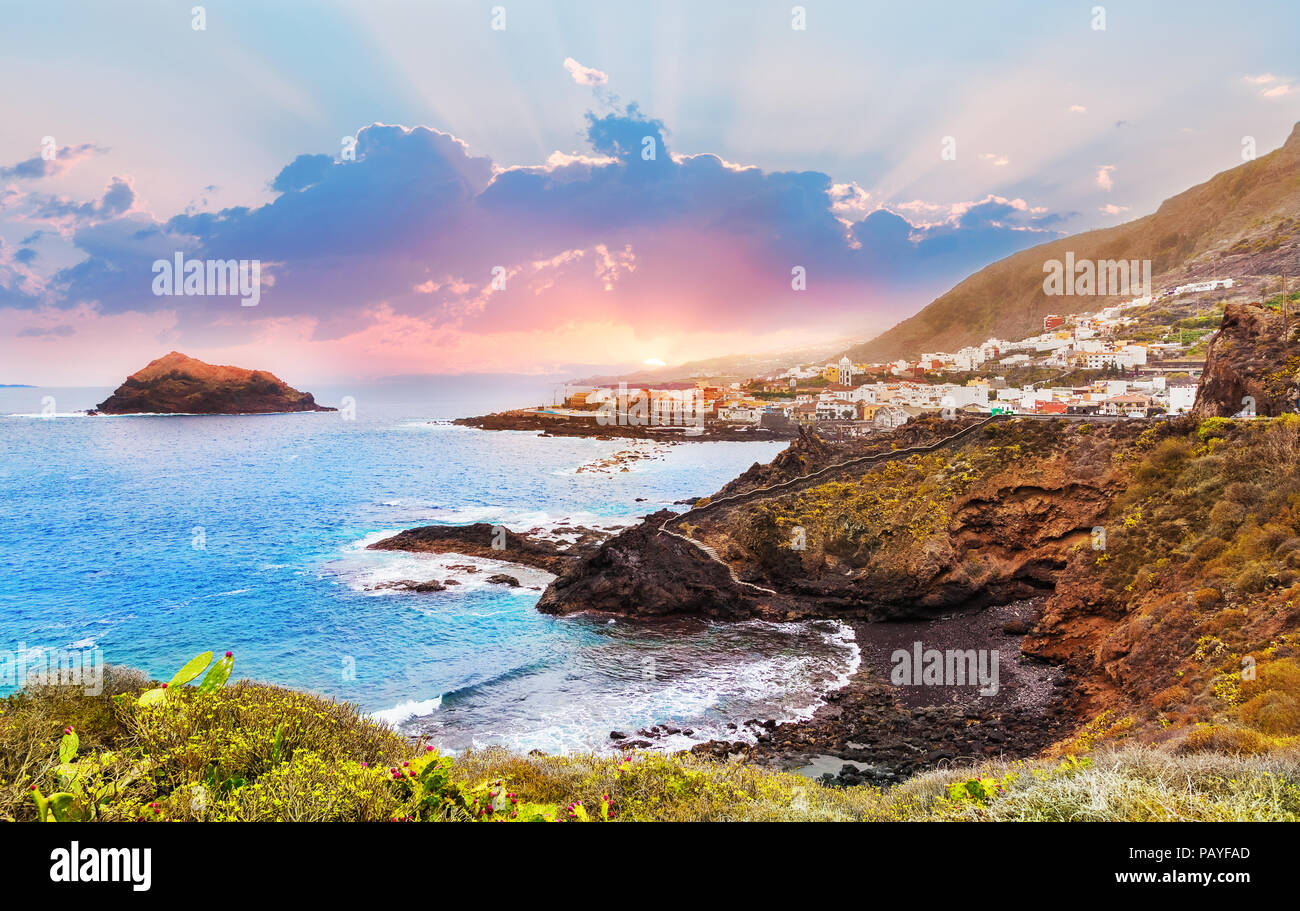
x=1106 y=362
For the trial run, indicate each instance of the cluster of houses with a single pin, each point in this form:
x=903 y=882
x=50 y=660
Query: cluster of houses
x=858 y=398
x=886 y=404
x=872 y=405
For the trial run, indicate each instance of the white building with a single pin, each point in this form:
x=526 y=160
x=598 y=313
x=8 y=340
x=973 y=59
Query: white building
x=1182 y=396
x=836 y=411
x=846 y=371
x=868 y=392
x=740 y=413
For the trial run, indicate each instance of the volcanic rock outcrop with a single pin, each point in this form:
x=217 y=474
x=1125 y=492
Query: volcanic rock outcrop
x=490 y=542
x=989 y=519
x=178 y=384
x=1250 y=358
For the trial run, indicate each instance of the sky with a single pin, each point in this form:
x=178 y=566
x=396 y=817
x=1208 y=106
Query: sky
x=557 y=187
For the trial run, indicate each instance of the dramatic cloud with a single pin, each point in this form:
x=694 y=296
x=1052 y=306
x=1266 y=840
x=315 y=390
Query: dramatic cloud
x=419 y=242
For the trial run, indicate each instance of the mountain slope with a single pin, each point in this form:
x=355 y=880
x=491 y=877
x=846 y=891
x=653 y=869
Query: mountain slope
x=1243 y=221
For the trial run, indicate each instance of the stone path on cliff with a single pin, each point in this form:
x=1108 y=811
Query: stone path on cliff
x=783 y=487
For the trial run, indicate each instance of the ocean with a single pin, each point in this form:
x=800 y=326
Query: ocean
x=154 y=538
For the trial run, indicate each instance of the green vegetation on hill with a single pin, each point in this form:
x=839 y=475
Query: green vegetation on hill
x=256 y=752
x=1172 y=549
x=1202 y=562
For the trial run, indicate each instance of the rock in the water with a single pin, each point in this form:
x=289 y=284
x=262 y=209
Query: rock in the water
x=178 y=384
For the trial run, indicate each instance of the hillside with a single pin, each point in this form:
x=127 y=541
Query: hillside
x=1145 y=562
x=1194 y=572
x=178 y=384
x=1242 y=222
x=253 y=752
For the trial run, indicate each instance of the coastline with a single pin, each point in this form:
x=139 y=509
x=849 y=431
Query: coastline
x=548 y=424
x=873 y=732
x=866 y=730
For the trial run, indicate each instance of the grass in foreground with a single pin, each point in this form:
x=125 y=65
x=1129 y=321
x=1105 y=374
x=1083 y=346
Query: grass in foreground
x=256 y=752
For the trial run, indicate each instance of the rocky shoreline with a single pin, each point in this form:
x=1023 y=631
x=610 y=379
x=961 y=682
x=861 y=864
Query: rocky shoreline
x=530 y=419
x=492 y=542
x=968 y=563
x=872 y=731
x=869 y=730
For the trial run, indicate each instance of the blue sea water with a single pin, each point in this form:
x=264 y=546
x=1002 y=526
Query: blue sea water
x=153 y=538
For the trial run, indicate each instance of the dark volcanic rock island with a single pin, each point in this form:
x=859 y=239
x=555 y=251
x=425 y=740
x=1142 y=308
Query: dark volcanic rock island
x=178 y=384
x=478 y=540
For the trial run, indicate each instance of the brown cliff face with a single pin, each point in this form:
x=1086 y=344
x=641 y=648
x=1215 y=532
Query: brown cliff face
x=177 y=384
x=1199 y=579
x=1252 y=356
x=989 y=521
x=1162 y=558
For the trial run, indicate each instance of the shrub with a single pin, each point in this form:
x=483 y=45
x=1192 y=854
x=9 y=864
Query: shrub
x=1207 y=598
x=312 y=788
x=32 y=723
x=1232 y=740
x=244 y=730
x=1273 y=712
x=1170 y=697
x=1214 y=428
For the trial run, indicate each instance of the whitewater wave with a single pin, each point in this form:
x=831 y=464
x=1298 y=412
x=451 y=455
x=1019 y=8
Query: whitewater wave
x=405 y=711
x=49 y=417
x=536 y=521
x=710 y=693
x=367 y=571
